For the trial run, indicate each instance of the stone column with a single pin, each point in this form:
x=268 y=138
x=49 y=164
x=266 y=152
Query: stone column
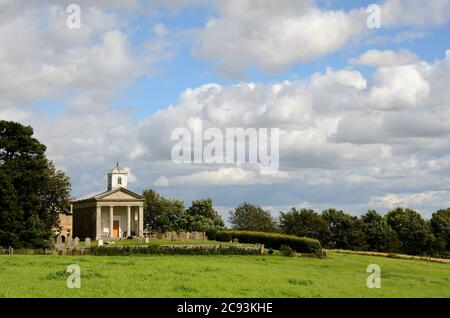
x=141 y=221
x=128 y=221
x=111 y=218
x=98 y=222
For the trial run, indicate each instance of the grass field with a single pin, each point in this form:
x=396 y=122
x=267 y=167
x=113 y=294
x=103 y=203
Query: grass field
x=340 y=275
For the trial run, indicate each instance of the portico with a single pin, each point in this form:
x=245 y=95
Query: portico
x=113 y=214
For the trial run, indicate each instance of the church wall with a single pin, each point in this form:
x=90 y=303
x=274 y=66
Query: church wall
x=84 y=222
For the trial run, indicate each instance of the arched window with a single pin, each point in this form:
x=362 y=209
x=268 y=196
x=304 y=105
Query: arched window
x=119 y=180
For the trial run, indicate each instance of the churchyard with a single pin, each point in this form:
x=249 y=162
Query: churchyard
x=338 y=275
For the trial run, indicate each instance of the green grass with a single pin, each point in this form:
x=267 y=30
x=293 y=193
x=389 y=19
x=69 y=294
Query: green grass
x=341 y=275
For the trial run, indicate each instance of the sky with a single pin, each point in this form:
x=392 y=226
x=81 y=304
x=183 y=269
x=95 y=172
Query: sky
x=363 y=113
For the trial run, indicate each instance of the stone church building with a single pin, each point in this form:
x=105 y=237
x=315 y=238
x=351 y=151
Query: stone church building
x=113 y=214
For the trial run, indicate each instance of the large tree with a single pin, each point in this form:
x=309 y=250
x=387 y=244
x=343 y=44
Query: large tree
x=414 y=233
x=379 y=234
x=305 y=223
x=33 y=192
x=163 y=214
x=252 y=218
x=202 y=216
x=440 y=224
x=346 y=230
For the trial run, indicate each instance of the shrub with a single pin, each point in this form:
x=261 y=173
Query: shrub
x=272 y=240
x=270 y=251
x=173 y=250
x=211 y=234
x=286 y=251
x=223 y=236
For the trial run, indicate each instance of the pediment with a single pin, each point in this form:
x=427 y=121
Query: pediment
x=120 y=194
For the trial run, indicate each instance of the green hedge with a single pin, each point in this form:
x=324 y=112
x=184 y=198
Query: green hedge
x=173 y=250
x=272 y=240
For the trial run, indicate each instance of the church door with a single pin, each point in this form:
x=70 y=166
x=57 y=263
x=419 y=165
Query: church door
x=116 y=229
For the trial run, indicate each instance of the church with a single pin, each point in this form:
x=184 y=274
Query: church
x=113 y=214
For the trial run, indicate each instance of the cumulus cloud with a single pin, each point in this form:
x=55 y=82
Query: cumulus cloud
x=345 y=135
x=416 y=13
x=79 y=71
x=274 y=35
x=377 y=58
x=224 y=176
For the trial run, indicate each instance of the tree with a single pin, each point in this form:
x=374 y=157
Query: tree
x=33 y=192
x=55 y=195
x=202 y=216
x=413 y=232
x=440 y=225
x=379 y=234
x=11 y=218
x=252 y=218
x=305 y=223
x=161 y=214
x=346 y=230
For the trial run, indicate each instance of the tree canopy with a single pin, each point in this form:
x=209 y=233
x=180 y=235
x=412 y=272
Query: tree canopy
x=414 y=233
x=306 y=223
x=163 y=214
x=202 y=216
x=346 y=230
x=249 y=217
x=33 y=192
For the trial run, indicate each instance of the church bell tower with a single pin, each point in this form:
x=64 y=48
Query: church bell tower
x=117 y=178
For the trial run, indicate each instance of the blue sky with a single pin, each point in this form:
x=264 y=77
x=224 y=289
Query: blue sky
x=362 y=112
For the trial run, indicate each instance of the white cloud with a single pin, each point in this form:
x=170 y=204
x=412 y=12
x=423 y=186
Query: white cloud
x=416 y=13
x=422 y=200
x=399 y=87
x=274 y=35
x=162 y=182
x=346 y=136
x=224 y=176
x=376 y=58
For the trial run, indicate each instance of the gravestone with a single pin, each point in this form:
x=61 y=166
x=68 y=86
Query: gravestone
x=174 y=236
x=188 y=236
x=235 y=240
x=76 y=241
x=69 y=241
x=100 y=242
x=183 y=236
x=87 y=242
x=59 y=243
x=147 y=240
x=160 y=236
x=198 y=235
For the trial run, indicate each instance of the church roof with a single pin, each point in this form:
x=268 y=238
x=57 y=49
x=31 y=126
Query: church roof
x=101 y=195
x=118 y=169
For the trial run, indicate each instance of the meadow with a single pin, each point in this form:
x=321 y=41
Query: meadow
x=339 y=275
